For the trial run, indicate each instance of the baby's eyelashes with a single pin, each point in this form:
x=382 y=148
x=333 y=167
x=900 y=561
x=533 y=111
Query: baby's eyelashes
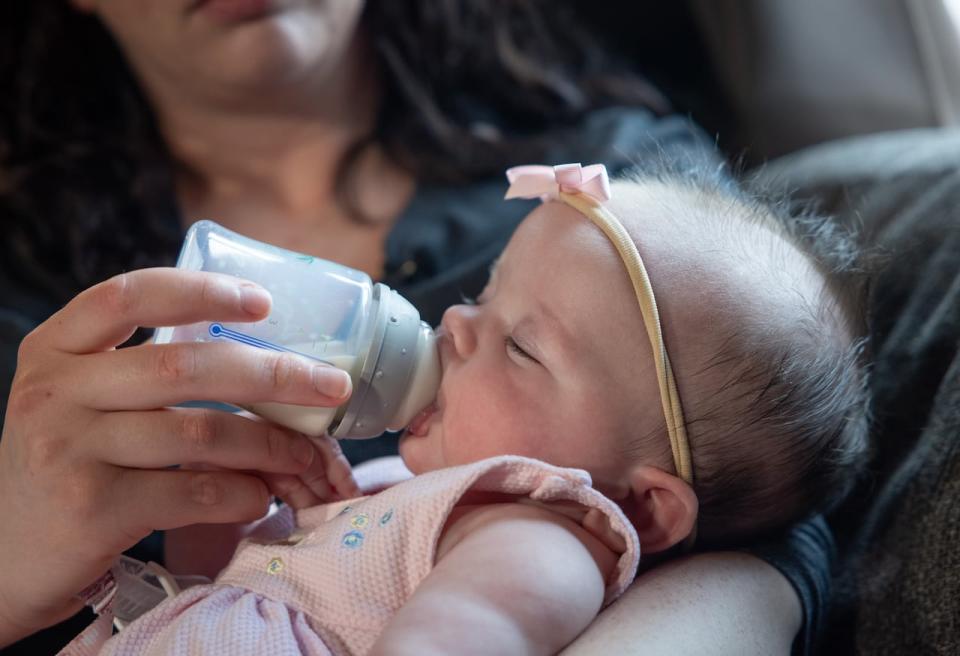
x=518 y=350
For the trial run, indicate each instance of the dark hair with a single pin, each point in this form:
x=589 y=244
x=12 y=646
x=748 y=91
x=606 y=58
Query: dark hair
x=802 y=441
x=86 y=186
x=779 y=417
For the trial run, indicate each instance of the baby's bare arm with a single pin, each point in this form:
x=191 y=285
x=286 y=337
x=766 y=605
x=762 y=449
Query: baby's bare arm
x=509 y=579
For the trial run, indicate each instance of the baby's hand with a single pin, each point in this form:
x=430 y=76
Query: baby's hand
x=206 y=548
x=329 y=478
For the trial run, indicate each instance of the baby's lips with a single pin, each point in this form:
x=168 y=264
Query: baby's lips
x=420 y=423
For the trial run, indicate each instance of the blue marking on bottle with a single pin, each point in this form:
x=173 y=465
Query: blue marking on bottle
x=218 y=331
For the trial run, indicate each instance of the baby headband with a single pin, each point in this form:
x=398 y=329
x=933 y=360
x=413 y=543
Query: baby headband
x=585 y=189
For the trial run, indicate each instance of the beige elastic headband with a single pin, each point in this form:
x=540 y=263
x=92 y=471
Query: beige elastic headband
x=586 y=189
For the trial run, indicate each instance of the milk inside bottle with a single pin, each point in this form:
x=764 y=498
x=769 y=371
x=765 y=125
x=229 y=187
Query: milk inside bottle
x=326 y=312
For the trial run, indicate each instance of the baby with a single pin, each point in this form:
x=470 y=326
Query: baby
x=726 y=406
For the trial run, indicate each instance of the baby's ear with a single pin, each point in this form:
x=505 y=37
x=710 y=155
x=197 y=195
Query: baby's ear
x=662 y=507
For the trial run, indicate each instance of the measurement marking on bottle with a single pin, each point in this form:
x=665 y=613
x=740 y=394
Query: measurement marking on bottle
x=218 y=331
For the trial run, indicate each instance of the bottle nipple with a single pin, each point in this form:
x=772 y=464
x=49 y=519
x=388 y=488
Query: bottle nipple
x=424 y=382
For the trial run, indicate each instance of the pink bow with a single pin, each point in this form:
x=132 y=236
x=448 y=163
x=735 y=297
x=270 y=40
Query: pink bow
x=546 y=182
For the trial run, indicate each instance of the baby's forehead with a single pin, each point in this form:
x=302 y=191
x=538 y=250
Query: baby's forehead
x=699 y=239
x=718 y=264
x=696 y=213
x=710 y=256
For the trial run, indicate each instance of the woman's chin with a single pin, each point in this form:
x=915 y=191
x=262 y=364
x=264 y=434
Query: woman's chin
x=258 y=58
x=266 y=56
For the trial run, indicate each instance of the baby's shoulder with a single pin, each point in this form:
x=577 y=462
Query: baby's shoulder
x=532 y=525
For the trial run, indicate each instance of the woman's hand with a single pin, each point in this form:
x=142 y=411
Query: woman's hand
x=207 y=548
x=89 y=440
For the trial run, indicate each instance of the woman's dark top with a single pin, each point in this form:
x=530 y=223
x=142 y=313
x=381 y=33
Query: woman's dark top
x=440 y=251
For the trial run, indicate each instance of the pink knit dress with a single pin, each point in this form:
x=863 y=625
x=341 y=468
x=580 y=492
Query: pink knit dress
x=329 y=579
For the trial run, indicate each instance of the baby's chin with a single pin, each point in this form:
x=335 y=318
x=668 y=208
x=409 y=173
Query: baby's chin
x=412 y=448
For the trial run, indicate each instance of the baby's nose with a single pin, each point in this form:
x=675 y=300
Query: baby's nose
x=456 y=327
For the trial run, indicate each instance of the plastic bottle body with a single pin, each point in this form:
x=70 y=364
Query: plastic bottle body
x=321 y=310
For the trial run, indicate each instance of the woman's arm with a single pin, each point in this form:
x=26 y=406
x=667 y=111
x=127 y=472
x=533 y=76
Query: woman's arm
x=712 y=603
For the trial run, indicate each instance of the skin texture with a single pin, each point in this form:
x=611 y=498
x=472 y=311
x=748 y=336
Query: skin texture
x=753 y=611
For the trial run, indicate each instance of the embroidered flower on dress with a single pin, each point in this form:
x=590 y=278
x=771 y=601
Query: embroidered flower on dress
x=353 y=540
x=360 y=521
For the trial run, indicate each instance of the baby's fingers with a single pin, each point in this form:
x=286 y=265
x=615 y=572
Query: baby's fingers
x=294 y=491
x=328 y=478
x=336 y=468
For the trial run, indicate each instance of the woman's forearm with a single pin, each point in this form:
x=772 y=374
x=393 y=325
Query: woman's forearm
x=712 y=603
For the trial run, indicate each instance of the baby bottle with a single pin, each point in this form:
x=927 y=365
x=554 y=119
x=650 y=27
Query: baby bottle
x=329 y=313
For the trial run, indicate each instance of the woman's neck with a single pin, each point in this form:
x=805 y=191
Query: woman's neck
x=280 y=147
x=284 y=164
x=269 y=168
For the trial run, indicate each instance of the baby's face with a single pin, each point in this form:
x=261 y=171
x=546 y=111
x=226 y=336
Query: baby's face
x=552 y=362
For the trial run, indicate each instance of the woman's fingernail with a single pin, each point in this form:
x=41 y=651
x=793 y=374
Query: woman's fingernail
x=302 y=450
x=254 y=300
x=331 y=381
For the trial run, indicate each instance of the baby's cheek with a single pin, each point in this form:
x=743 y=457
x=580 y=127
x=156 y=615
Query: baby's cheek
x=482 y=414
x=486 y=435
x=466 y=434
x=418 y=454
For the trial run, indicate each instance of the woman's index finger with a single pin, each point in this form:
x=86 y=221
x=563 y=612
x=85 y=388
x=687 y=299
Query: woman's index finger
x=106 y=314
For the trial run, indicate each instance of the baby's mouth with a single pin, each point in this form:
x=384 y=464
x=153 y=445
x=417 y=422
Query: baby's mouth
x=421 y=423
